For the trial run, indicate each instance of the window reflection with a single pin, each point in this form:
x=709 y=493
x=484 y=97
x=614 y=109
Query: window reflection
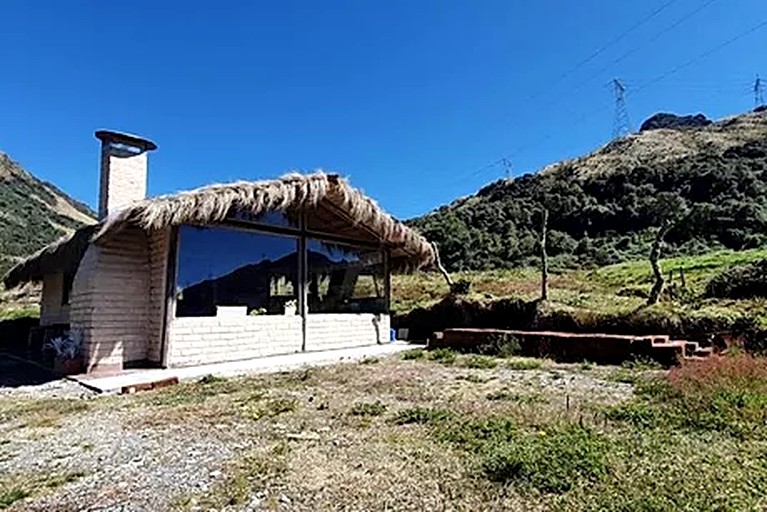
x=345 y=279
x=223 y=267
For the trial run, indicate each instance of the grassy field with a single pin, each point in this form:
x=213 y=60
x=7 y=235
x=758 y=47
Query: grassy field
x=419 y=431
x=614 y=290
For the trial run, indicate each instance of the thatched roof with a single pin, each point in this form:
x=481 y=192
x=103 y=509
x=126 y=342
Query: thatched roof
x=334 y=206
x=62 y=256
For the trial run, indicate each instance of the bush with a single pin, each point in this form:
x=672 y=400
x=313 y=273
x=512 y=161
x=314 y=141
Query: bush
x=524 y=363
x=740 y=282
x=551 y=462
x=421 y=415
x=501 y=345
x=443 y=355
x=416 y=353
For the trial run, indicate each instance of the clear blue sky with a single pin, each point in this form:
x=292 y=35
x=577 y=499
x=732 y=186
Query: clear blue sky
x=409 y=98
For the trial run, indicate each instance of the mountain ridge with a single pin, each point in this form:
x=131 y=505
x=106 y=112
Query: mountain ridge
x=604 y=205
x=33 y=213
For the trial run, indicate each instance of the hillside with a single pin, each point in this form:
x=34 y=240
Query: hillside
x=709 y=182
x=33 y=213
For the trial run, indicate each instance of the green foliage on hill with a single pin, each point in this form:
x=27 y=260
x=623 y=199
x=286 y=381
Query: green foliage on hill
x=711 y=185
x=740 y=282
x=33 y=213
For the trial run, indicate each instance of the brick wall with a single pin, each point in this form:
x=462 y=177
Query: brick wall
x=158 y=270
x=203 y=340
x=345 y=330
x=109 y=302
x=123 y=180
x=52 y=311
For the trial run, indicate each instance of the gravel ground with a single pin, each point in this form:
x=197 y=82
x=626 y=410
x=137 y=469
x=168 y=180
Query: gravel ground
x=124 y=462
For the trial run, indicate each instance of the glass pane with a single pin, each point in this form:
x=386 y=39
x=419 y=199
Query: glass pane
x=345 y=279
x=228 y=271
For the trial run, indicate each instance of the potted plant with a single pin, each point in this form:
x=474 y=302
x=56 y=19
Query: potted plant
x=290 y=307
x=67 y=353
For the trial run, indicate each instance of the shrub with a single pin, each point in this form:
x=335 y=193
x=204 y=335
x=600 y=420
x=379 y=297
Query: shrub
x=443 y=355
x=478 y=362
x=416 y=353
x=740 y=282
x=524 y=363
x=421 y=415
x=368 y=409
x=500 y=345
x=551 y=462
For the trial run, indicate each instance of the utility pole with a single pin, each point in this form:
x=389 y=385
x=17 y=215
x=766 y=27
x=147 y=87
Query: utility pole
x=758 y=92
x=506 y=163
x=621 y=123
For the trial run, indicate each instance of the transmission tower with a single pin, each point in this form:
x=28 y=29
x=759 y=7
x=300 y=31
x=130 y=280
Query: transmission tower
x=506 y=164
x=758 y=92
x=621 y=123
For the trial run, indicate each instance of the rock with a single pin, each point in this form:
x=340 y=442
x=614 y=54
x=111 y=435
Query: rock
x=674 y=122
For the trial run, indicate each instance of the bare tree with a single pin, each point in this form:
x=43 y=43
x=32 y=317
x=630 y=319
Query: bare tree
x=657 y=246
x=440 y=267
x=544 y=257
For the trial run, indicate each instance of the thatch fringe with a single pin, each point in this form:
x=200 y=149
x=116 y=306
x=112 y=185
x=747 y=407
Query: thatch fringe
x=212 y=204
x=62 y=256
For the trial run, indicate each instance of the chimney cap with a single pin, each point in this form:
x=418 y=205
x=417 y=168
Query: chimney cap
x=108 y=136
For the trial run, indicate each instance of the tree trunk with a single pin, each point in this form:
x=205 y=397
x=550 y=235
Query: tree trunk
x=441 y=268
x=544 y=257
x=657 y=287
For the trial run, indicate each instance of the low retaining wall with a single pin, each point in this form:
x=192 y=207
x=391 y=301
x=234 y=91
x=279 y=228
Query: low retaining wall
x=567 y=347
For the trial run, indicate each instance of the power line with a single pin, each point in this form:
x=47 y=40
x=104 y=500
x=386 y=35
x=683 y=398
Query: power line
x=634 y=91
x=598 y=51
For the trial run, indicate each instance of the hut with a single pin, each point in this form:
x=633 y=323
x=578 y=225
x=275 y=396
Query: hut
x=221 y=273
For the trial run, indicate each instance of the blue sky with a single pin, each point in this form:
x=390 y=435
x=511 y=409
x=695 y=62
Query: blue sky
x=412 y=99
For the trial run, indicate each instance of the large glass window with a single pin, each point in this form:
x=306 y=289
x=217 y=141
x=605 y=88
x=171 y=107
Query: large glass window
x=227 y=268
x=345 y=279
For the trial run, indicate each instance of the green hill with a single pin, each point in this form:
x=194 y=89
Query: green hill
x=33 y=213
x=605 y=206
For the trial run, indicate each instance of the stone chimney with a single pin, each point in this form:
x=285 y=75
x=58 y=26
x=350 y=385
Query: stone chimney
x=123 y=170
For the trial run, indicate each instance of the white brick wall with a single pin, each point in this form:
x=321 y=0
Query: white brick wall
x=203 y=340
x=158 y=270
x=344 y=330
x=123 y=180
x=110 y=301
x=52 y=311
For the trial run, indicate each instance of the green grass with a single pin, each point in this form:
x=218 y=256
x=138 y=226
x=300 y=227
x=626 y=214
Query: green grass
x=443 y=355
x=524 y=363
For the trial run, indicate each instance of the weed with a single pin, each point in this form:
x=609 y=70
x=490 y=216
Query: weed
x=524 y=363
x=368 y=409
x=14 y=488
x=370 y=360
x=443 y=355
x=421 y=415
x=586 y=366
x=500 y=345
x=416 y=353
x=211 y=379
x=273 y=407
x=475 y=378
x=506 y=395
x=551 y=462
x=478 y=362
